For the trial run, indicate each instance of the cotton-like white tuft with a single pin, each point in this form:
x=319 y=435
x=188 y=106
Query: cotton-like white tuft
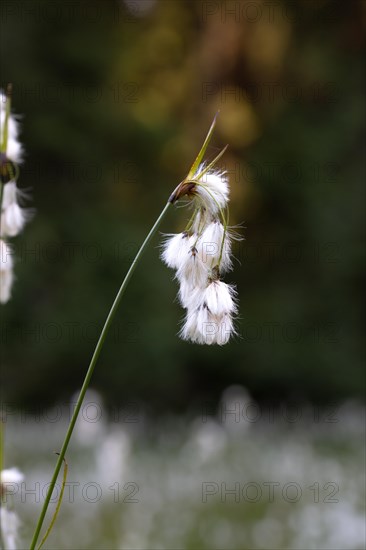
x=9 y=194
x=202 y=327
x=14 y=150
x=192 y=268
x=197 y=326
x=189 y=329
x=225 y=330
x=219 y=298
x=175 y=250
x=13 y=217
x=186 y=293
x=6 y=283
x=212 y=189
x=6 y=271
x=210 y=243
x=13 y=220
x=214 y=246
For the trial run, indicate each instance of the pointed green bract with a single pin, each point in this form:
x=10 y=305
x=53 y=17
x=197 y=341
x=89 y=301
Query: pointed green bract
x=211 y=165
x=200 y=155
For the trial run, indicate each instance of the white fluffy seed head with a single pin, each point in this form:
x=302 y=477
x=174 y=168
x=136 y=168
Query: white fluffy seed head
x=213 y=243
x=6 y=283
x=192 y=269
x=195 y=328
x=225 y=330
x=219 y=298
x=189 y=329
x=186 y=293
x=9 y=194
x=209 y=244
x=202 y=327
x=6 y=271
x=13 y=217
x=212 y=190
x=14 y=150
x=13 y=220
x=175 y=250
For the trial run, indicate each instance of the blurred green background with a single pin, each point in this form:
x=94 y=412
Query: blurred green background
x=116 y=98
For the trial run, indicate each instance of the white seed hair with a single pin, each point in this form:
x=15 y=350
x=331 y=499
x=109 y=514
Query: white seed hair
x=13 y=220
x=187 y=293
x=202 y=327
x=6 y=283
x=212 y=190
x=13 y=217
x=192 y=268
x=226 y=330
x=6 y=271
x=14 y=150
x=219 y=298
x=175 y=249
x=213 y=244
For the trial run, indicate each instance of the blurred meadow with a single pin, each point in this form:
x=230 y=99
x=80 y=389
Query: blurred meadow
x=115 y=98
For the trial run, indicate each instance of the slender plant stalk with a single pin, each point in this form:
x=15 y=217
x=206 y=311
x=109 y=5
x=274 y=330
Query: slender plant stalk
x=89 y=374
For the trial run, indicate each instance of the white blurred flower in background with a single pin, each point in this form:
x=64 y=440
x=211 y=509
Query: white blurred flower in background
x=13 y=217
x=10 y=479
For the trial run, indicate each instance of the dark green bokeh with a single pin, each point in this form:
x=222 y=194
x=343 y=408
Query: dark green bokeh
x=116 y=103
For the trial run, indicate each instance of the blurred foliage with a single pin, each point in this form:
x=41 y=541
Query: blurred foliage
x=116 y=99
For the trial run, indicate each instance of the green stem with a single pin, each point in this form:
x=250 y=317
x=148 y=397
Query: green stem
x=89 y=373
